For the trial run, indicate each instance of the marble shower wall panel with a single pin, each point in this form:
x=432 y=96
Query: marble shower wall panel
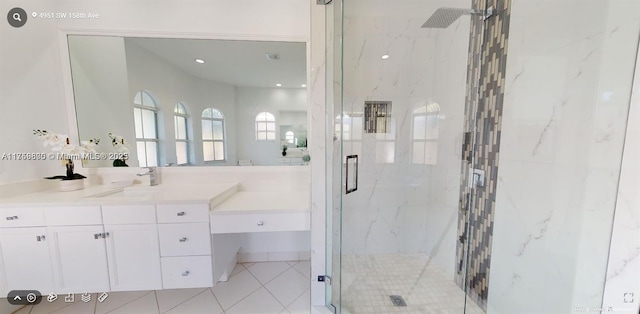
x=568 y=80
x=401 y=207
x=482 y=127
x=623 y=269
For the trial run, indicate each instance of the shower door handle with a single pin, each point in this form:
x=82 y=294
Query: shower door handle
x=351 y=182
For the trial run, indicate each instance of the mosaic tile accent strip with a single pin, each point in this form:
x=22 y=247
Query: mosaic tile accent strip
x=481 y=147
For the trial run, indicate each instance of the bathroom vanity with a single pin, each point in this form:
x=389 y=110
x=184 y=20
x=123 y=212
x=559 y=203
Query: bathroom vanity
x=136 y=238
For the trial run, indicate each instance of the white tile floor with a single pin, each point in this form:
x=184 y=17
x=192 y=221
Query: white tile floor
x=269 y=287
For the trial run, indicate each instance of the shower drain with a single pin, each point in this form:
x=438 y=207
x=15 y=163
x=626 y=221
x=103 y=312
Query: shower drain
x=397 y=300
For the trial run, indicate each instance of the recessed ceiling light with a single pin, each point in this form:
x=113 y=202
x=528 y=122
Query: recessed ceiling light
x=197 y=60
x=385 y=57
x=303 y=85
x=278 y=84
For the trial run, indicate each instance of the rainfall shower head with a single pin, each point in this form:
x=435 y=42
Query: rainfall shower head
x=443 y=17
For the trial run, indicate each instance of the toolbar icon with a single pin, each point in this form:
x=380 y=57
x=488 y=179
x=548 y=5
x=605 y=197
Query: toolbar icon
x=52 y=297
x=70 y=298
x=103 y=297
x=86 y=298
x=24 y=297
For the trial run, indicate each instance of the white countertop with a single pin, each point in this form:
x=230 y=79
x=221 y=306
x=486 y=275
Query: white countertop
x=160 y=194
x=245 y=202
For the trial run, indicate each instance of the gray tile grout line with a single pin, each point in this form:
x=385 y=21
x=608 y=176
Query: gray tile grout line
x=216 y=298
x=274 y=278
x=270 y=280
x=136 y=299
x=305 y=275
x=183 y=302
x=157 y=303
x=265 y=288
x=254 y=277
x=298 y=297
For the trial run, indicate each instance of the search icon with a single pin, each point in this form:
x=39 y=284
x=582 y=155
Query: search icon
x=17 y=17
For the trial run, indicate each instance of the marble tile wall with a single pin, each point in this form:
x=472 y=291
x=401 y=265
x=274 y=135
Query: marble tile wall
x=567 y=88
x=622 y=287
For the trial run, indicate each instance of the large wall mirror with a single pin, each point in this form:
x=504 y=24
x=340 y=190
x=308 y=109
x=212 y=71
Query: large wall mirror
x=179 y=102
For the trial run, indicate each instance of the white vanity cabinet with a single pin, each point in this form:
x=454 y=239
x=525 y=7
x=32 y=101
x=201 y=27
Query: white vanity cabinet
x=133 y=252
x=185 y=245
x=133 y=257
x=26 y=259
x=80 y=259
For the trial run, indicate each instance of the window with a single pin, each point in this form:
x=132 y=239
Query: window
x=425 y=134
x=145 y=120
x=289 y=137
x=213 y=135
x=265 y=127
x=182 y=139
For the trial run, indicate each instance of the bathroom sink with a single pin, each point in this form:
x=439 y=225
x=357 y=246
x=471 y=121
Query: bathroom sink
x=128 y=193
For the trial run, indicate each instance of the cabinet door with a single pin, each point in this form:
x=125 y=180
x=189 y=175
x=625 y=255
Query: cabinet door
x=134 y=257
x=80 y=259
x=26 y=259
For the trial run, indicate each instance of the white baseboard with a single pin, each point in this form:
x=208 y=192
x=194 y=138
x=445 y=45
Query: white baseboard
x=254 y=257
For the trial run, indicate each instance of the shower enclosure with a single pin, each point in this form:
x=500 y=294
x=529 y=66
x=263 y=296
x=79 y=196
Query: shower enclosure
x=476 y=152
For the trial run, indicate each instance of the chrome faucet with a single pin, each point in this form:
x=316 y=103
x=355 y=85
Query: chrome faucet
x=152 y=172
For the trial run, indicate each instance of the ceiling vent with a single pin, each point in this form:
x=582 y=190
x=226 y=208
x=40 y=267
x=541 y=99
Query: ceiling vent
x=273 y=56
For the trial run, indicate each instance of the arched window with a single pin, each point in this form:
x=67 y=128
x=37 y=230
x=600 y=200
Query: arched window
x=182 y=139
x=213 y=135
x=146 y=125
x=425 y=134
x=265 y=127
x=289 y=137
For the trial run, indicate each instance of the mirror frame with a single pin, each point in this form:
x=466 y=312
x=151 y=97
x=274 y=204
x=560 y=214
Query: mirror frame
x=67 y=79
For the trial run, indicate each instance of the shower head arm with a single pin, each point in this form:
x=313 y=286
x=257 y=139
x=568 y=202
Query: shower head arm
x=484 y=13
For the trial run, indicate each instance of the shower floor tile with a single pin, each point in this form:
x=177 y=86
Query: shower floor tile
x=369 y=280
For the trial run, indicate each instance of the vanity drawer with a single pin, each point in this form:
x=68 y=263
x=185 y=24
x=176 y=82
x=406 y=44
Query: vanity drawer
x=169 y=213
x=22 y=217
x=260 y=222
x=73 y=215
x=186 y=272
x=128 y=214
x=184 y=239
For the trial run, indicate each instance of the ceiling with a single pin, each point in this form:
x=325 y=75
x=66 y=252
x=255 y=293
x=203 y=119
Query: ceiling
x=235 y=62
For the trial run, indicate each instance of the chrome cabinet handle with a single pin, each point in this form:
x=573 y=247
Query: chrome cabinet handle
x=97 y=236
x=184 y=239
x=185 y=273
x=260 y=223
x=12 y=218
x=181 y=214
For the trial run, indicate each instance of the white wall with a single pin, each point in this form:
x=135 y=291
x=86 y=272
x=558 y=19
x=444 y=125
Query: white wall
x=170 y=85
x=32 y=89
x=568 y=83
x=249 y=102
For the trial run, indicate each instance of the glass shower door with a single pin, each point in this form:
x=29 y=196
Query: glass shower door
x=403 y=109
x=432 y=112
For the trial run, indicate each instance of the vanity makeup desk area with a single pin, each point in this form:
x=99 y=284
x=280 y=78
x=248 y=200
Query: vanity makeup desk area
x=219 y=114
